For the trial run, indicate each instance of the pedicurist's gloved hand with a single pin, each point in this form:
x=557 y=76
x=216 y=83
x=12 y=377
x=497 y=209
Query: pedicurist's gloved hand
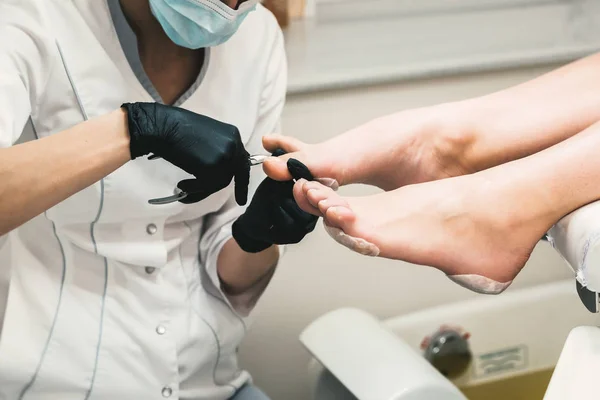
x=273 y=216
x=210 y=150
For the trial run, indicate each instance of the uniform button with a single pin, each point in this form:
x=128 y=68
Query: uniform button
x=151 y=229
x=167 y=391
x=150 y=270
x=161 y=330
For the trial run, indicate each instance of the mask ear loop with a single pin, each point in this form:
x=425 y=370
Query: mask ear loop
x=239 y=3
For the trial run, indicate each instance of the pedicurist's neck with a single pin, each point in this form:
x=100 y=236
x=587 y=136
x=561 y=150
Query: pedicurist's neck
x=146 y=27
x=172 y=69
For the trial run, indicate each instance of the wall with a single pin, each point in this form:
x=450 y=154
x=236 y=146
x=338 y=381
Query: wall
x=318 y=275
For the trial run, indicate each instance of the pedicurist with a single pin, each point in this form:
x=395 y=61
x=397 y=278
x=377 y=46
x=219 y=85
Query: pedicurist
x=103 y=294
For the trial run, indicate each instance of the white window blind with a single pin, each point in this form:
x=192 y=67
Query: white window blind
x=349 y=9
x=359 y=42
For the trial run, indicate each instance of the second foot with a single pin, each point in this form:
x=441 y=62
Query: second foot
x=461 y=226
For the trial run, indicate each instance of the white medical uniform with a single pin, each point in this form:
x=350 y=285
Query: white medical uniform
x=105 y=296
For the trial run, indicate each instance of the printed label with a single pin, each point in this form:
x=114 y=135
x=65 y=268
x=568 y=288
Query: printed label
x=499 y=362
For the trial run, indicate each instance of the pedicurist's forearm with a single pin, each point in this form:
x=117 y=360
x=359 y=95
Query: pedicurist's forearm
x=530 y=117
x=37 y=175
x=240 y=271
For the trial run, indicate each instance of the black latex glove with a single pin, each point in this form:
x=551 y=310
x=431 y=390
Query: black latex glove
x=273 y=217
x=210 y=150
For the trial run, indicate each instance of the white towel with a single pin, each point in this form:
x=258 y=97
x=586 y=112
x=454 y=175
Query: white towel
x=577 y=238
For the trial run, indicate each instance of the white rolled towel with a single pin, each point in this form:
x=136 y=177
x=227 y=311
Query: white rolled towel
x=577 y=238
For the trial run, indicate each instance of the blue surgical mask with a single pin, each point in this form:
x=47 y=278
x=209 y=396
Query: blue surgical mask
x=197 y=24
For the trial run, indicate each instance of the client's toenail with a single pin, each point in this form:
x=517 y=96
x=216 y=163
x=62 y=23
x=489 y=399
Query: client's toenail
x=330 y=183
x=334 y=211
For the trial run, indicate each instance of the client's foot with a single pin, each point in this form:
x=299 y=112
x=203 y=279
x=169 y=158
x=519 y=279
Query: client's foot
x=390 y=152
x=478 y=233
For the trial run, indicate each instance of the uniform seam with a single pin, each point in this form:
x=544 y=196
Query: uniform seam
x=216 y=337
x=100 y=331
x=42 y=94
x=92 y=228
x=58 y=306
x=212 y=330
x=71 y=82
x=85 y=118
x=244 y=326
x=218 y=358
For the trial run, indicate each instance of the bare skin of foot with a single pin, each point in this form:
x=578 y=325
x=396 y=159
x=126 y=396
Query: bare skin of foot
x=389 y=152
x=459 y=226
x=479 y=229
